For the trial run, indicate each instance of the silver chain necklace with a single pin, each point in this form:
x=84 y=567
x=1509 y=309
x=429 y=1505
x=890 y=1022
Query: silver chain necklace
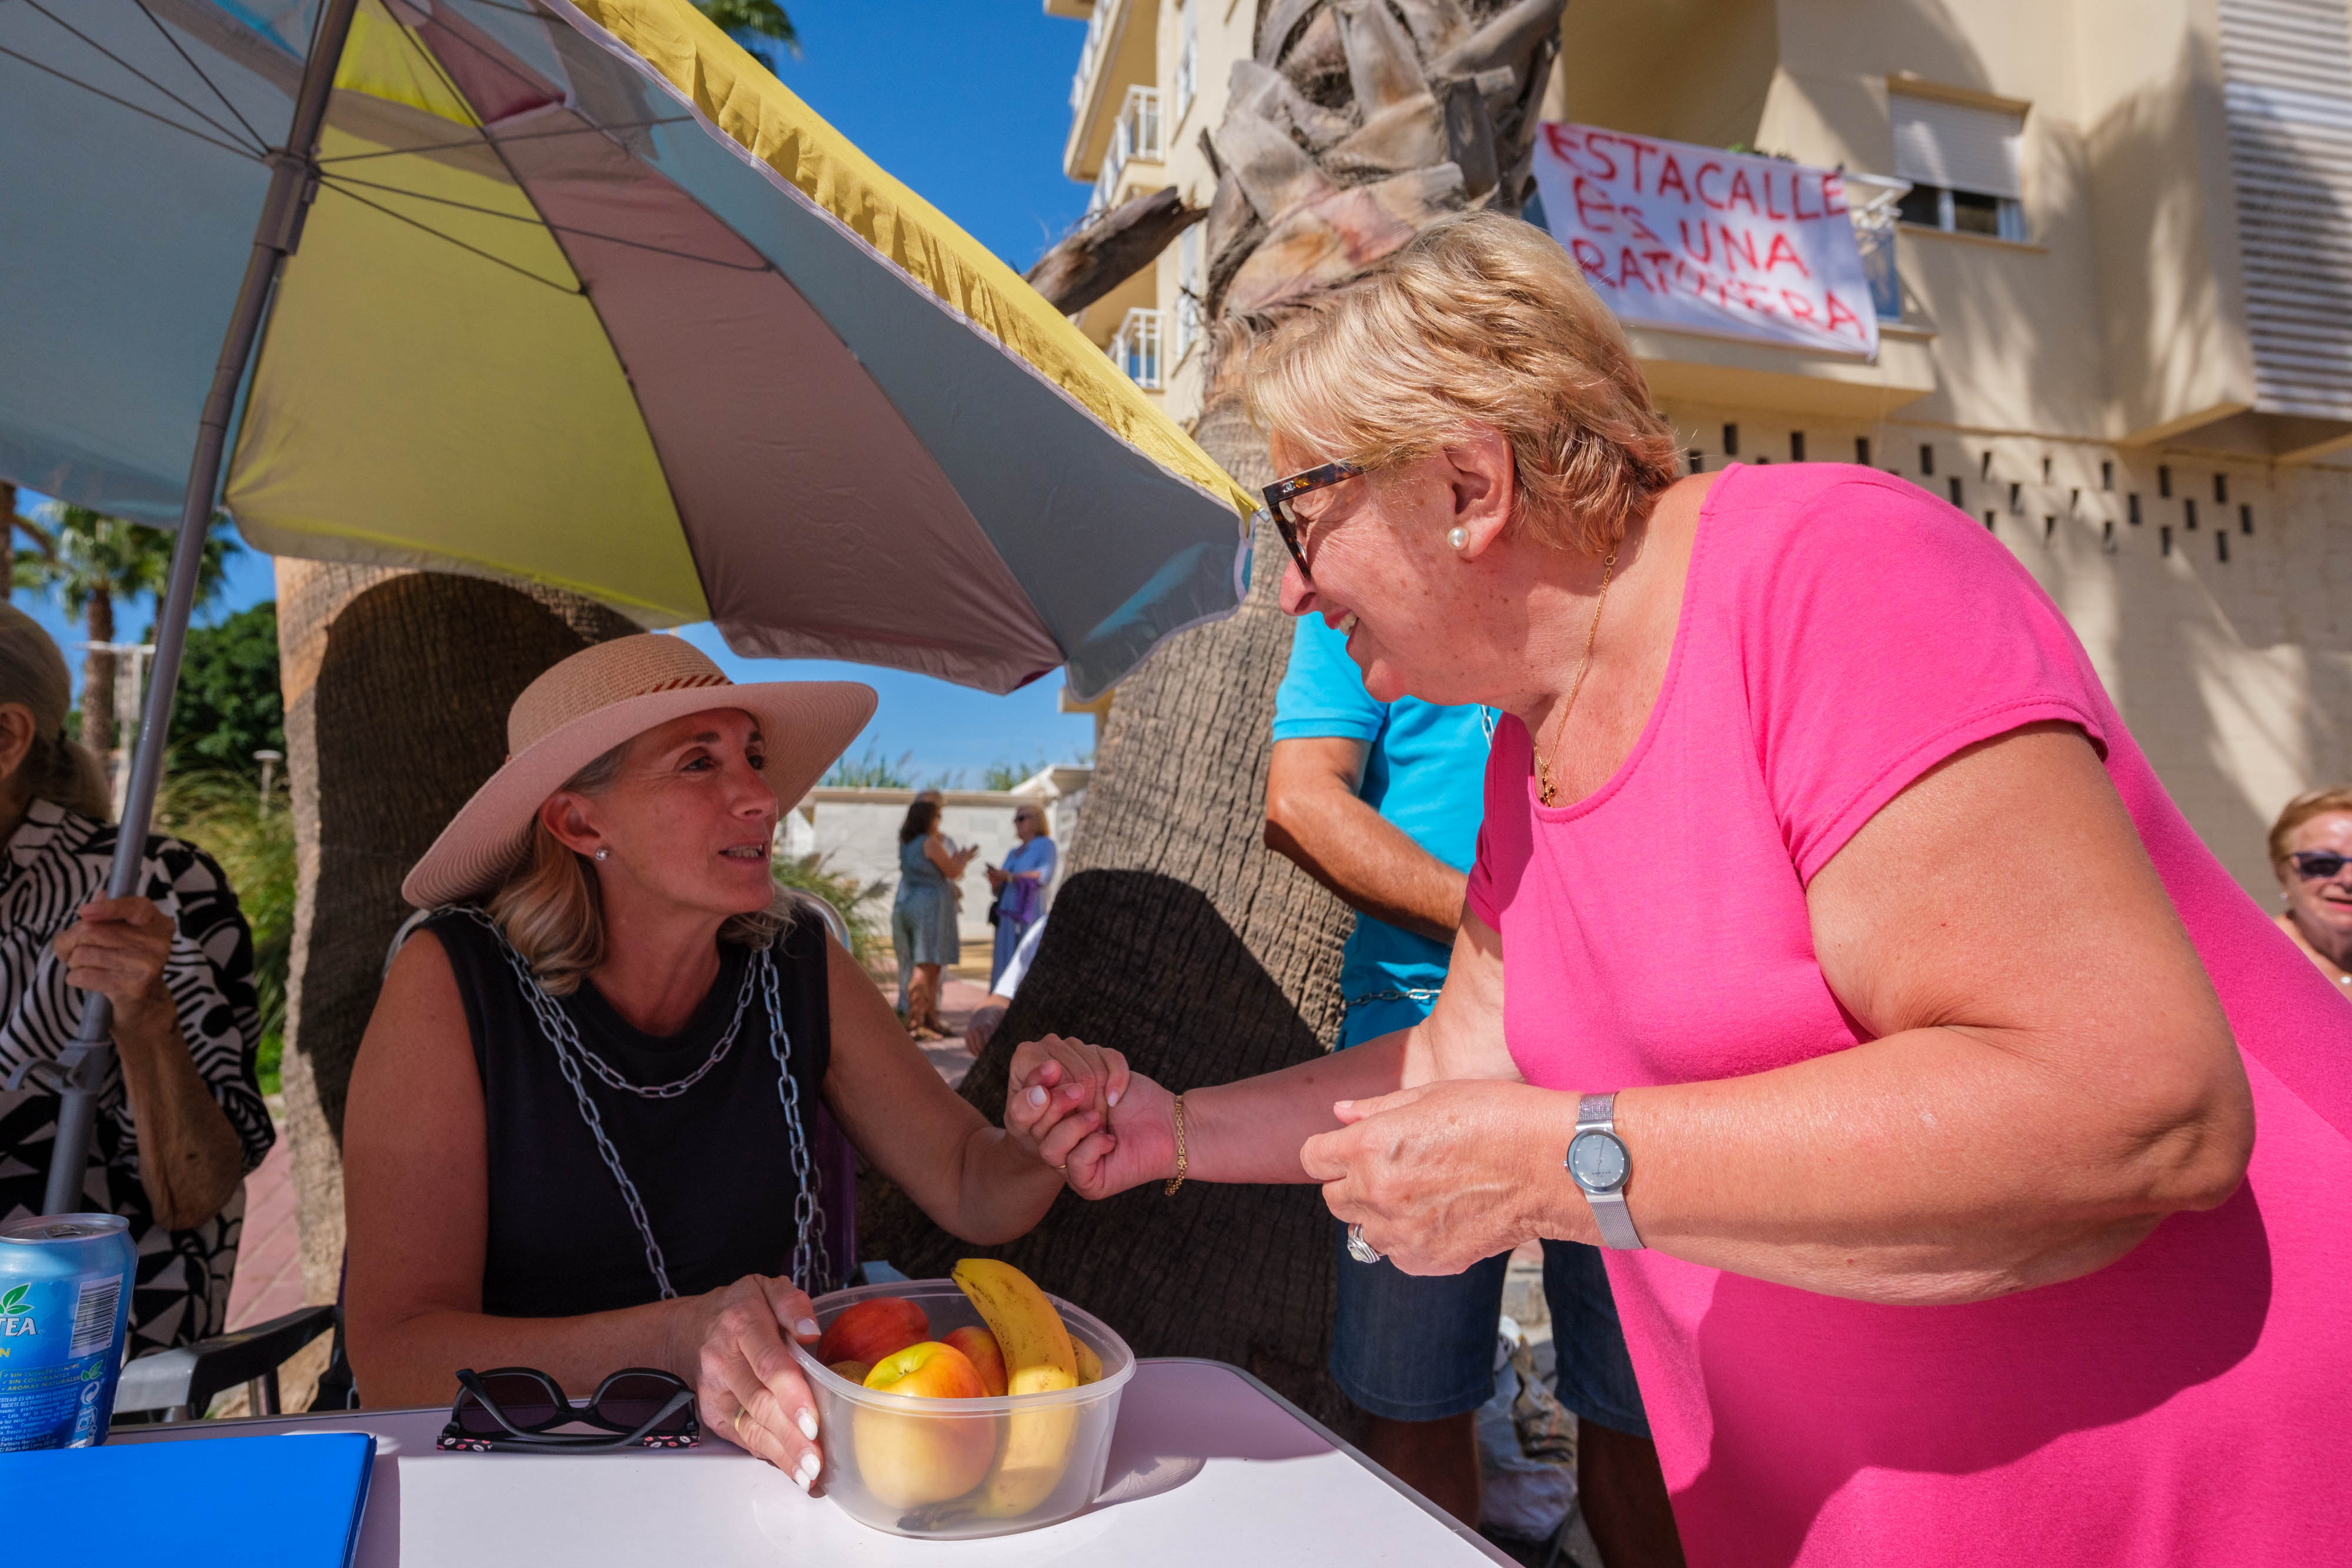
x=811 y=1269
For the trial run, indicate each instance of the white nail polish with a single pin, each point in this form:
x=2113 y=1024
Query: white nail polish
x=807 y=1472
x=806 y=1328
x=1037 y=1097
x=1114 y=1096
x=807 y=1420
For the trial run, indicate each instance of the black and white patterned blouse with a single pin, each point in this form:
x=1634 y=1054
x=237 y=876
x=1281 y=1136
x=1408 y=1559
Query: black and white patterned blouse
x=54 y=863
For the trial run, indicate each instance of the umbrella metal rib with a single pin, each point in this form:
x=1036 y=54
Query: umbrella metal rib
x=345 y=181
x=259 y=140
x=80 y=1073
x=260 y=146
x=71 y=80
x=338 y=186
x=589 y=130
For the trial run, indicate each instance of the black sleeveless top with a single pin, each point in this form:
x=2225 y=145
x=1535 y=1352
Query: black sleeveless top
x=713 y=1166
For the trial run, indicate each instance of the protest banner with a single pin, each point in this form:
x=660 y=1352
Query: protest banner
x=1696 y=240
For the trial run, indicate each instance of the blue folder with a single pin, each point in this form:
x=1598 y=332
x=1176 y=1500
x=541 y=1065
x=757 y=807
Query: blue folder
x=288 y=1500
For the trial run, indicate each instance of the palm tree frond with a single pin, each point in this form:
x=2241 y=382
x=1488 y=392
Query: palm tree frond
x=764 y=17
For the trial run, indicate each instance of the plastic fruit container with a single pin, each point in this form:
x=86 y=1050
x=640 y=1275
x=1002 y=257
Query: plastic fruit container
x=936 y=1469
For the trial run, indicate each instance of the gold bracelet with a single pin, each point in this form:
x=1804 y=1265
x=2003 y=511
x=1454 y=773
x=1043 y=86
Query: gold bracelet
x=1178 y=1181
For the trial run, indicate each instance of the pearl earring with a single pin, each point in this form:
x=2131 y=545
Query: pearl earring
x=602 y=854
x=1457 y=537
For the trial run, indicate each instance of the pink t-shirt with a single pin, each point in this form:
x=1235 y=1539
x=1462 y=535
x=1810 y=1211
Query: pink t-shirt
x=1841 y=632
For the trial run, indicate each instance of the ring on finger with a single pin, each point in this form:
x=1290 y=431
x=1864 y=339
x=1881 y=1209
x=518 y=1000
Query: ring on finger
x=1362 y=1251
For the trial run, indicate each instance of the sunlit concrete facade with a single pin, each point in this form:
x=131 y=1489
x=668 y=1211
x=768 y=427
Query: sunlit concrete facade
x=2147 y=397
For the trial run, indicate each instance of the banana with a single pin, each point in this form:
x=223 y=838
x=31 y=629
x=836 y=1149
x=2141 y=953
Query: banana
x=1089 y=1364
x=1039 y=1358
x=1027 y=1328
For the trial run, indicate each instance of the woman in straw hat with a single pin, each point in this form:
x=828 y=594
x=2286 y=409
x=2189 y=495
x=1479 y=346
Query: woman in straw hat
x=182 y=1121
x=580 y=1126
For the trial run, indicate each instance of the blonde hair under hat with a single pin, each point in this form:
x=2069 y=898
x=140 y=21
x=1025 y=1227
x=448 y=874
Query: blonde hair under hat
x=32 y=675
x=599 y=698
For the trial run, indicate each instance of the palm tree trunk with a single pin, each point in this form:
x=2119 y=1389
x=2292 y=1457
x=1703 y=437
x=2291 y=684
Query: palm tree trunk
x=397 y=687
x=98 y=680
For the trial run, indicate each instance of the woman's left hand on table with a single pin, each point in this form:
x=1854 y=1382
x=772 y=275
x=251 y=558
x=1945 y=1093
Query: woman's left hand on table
x=1448 y=1174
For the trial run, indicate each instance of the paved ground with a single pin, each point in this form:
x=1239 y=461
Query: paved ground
x=269 y=1280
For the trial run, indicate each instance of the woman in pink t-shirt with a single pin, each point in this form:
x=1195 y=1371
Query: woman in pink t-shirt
x=1975 y=1176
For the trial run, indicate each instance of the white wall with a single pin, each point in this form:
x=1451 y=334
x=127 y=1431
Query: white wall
x=856 y=832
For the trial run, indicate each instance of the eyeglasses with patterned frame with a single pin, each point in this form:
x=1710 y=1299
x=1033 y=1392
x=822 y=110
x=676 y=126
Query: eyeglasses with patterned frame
x=1283 y=499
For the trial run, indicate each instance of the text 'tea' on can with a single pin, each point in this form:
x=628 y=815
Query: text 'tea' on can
x=65 y=1298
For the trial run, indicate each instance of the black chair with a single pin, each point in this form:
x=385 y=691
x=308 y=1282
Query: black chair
x=180 y=1384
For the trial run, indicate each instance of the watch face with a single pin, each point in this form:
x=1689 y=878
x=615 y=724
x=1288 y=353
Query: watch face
x=1597 y=1160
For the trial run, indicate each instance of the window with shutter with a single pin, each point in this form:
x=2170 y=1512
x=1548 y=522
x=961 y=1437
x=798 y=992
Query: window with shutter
x=2286 y=86
x=1962 y=162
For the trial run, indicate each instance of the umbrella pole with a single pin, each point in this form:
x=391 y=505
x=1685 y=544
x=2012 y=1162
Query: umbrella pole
x=80 y=1073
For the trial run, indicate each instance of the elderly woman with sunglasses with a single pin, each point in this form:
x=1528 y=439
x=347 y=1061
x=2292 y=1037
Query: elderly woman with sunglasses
x=1833 y=957
x=586 y=1130
x=2311 y=856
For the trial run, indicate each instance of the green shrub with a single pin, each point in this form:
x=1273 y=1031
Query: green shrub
x=253 y=839
x=810 y=874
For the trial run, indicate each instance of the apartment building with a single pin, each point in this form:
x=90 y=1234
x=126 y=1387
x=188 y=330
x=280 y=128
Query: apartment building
x=2117 y=327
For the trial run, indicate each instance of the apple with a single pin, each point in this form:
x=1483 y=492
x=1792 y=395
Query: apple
x=854 y=1370
x=932 y=1370
x=908 y=1459
x=980 y=1348
x=872 y=1330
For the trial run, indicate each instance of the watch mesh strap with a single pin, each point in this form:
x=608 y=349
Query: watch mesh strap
x=1616 y=1224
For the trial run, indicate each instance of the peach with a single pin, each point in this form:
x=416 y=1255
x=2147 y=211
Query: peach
x=872 y=1330
x=908 y=1459
x=979 y=1347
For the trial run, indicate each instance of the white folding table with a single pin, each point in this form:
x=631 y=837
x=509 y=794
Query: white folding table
x=1208 y=1466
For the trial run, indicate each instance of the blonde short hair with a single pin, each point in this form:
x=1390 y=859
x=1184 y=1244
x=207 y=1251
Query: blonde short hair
x=552 y=911
x=1482 y=319
x=55 y=767
x=2301 y=809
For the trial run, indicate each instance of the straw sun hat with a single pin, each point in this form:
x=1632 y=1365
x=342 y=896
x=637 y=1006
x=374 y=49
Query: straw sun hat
x=594 y=701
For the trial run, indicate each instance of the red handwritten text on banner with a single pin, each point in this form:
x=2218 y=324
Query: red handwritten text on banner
x=1693 y=239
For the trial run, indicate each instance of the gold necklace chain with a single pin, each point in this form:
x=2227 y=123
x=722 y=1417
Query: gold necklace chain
x=1544 y=791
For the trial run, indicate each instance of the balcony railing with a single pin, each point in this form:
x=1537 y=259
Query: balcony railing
x=1090 y=54
x=1135 y=348
x=1136 y=135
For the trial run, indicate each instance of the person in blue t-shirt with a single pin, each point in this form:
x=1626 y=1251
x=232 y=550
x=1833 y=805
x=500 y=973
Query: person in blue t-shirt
x=1380 y=802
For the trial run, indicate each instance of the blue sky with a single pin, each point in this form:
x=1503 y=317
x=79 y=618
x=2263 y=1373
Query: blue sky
x=968 y=104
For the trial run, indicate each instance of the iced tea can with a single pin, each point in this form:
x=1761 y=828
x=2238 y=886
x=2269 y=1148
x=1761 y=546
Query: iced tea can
x=65 y=1299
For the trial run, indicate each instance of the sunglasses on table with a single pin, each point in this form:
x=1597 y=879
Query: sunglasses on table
x=2318 y=865
x=1291 y=504
x=517 y=1408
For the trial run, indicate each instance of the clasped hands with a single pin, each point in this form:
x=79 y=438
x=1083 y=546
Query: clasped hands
x=1440 y=1176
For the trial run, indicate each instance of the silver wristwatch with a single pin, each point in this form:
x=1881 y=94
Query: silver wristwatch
x=1598 y=1162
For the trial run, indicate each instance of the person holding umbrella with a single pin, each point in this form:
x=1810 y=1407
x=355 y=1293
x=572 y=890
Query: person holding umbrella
x=182 y=1122
x=579 y=1137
